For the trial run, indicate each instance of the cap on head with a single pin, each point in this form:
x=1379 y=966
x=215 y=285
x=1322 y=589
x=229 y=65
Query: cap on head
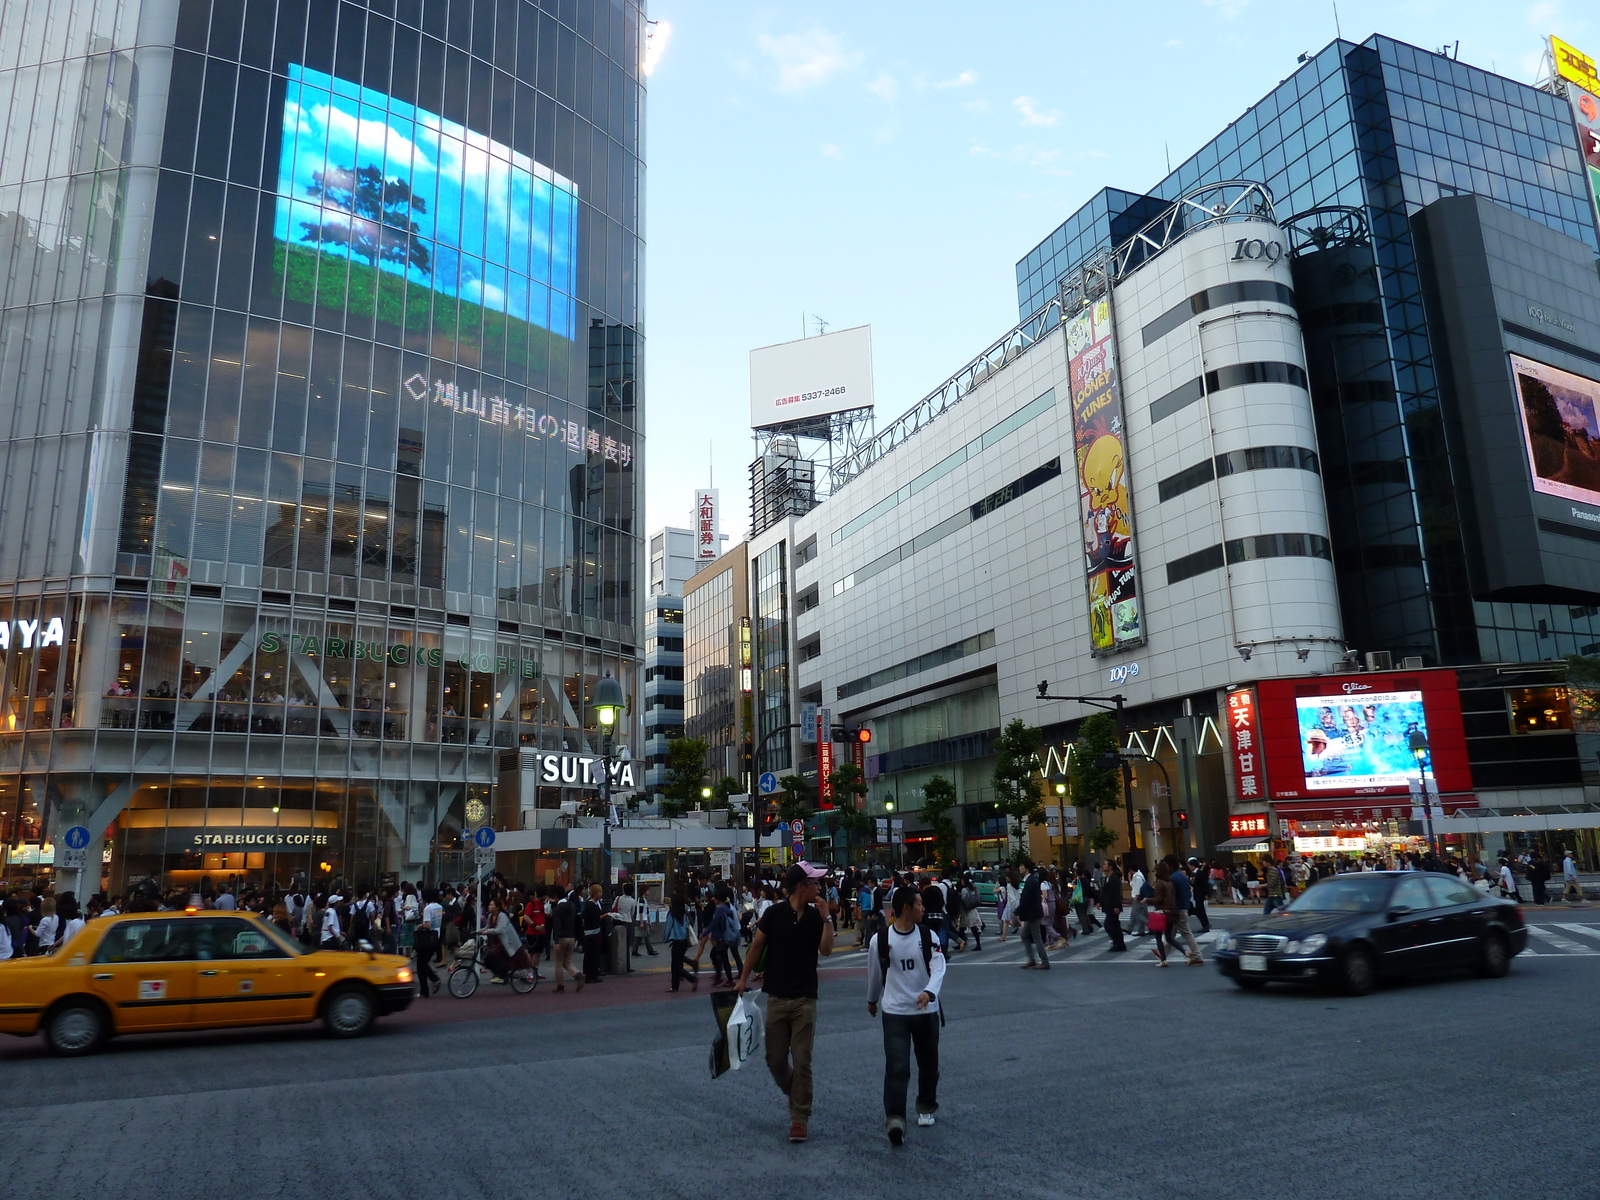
x=802 y=872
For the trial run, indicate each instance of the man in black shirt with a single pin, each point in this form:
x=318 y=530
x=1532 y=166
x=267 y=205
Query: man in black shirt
x=792 y=933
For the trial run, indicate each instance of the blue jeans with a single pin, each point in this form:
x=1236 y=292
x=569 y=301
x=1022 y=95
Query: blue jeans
x=1272 y=903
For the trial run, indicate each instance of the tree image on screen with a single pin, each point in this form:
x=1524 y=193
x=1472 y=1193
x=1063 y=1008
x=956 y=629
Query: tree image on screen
x=375 y=223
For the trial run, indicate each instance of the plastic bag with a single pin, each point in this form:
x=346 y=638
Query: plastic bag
x=745 y=1031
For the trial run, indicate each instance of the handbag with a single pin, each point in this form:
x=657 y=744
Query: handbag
x=1157 y=922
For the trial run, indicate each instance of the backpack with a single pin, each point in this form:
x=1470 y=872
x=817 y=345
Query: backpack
x=927 y=949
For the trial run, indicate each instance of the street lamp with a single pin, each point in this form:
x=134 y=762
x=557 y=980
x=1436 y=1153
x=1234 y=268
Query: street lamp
x=608 y=705
x=705 y=793
x=1418 y=741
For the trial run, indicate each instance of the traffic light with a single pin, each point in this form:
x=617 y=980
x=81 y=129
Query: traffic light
x=858 y=734
x=1182 y=816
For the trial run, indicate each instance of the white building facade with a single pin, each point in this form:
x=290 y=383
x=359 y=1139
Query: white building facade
x=933 y=591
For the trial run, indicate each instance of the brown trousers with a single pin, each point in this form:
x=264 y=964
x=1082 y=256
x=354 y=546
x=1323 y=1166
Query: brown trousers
x=791 y=1027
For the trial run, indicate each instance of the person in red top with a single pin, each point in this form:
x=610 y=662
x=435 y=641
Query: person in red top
x=535 y=927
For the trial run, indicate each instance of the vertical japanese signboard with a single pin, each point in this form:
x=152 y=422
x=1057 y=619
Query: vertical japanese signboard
x=825 y=757
x=1244 y=745
x=1105 y=511
x=707 y=547
x=1583 y=93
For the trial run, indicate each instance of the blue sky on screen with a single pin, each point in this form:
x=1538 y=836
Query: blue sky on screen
x=488 y=225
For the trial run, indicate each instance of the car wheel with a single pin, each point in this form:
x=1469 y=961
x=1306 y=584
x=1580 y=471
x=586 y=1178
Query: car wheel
x=1494 y=957
x=1358 y=973
x=76 y=1027
x=349 y=1012
x=1250 y=985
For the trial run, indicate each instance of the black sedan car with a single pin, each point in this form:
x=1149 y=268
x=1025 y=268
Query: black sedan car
x=1349 y=931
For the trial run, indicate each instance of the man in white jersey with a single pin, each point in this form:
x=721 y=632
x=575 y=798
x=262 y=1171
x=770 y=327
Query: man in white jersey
x=904 y=973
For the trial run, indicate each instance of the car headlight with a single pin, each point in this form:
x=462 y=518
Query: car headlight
x=1312 y=944
x=1291 y=947
x=403 y=975
x=1225 y=941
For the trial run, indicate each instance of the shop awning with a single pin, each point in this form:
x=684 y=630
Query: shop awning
x=1259 y=845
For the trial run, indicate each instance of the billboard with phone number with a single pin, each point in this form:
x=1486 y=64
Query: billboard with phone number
x=1352 y=735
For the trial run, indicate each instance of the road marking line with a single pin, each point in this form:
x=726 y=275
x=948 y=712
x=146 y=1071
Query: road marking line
x=1561 y=943
x=1586 y=930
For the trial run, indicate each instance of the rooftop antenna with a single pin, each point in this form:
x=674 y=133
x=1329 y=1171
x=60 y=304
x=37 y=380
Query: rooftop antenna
x=822 y=326
x=1337 y=32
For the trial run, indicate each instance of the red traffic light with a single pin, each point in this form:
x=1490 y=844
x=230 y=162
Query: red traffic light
x=1183 y=818
x=864 y=736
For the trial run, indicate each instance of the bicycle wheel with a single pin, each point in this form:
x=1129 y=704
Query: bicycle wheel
x=524 y=980
x=463 y=981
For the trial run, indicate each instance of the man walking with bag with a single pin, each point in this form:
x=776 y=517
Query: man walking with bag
x=905 y=971
x=1030 y=912
x=792 y=933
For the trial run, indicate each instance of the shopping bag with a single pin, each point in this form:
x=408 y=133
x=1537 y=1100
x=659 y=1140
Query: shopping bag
x=721 y=1007
x=746 y=1028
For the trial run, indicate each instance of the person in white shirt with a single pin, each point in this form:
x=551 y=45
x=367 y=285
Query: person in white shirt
x=904 y=972
x=5 y=942
x=624 y=908
x=331 y=932
x=45 y=930
x=1138 y=913
x=1508 y=883
x=1571 y=889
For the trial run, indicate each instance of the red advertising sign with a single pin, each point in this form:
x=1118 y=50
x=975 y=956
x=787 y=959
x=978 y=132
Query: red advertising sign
x=1244 y=745
x=824 y=757
x=1342 y=736
x=1247 y=825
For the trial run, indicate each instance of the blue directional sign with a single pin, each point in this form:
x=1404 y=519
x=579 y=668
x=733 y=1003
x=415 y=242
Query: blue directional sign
x=76 y=838
x=484 y=837
x=768 y=783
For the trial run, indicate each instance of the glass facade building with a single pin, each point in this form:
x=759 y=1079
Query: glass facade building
x=1383 y=128
x=321 y=337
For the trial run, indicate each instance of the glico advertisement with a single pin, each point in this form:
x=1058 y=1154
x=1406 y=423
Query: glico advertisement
x=1352 y=735
x=1579 y=71
x=1105 y=511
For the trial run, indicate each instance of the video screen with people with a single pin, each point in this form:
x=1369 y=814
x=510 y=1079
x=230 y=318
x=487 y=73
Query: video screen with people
x=1359 y=740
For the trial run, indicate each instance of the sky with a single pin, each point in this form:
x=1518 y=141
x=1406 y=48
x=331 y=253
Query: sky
x=888 y=163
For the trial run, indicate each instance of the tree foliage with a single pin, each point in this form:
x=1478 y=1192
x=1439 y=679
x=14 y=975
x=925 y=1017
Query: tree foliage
x=1095 y=782
x=797 y=801
x=723 y=790
x=938 y=798
x=1016 y=773
x=850 y=800
x=686 y=767
x=370 y=216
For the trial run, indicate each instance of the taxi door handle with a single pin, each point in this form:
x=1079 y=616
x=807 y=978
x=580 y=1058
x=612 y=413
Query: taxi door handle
x=1434 y=920
x=105 y=975
x=208 y=972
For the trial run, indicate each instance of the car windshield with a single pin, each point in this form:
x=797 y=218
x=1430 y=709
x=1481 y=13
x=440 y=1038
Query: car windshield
x=1344 y=893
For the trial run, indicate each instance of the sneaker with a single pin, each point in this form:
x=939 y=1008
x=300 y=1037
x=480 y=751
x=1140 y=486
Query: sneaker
x=897 y=1130
x=924 y=1119
x=797 y=1131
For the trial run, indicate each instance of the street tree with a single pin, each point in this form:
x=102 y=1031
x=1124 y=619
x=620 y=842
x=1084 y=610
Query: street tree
x=798 y=802
x=686 y=768
x=850 y=798
x=938 y=798
x=1095 y=777
x=1016 y=777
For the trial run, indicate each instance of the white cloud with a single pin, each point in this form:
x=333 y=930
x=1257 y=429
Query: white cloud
x=961 y=80
x=1228 y=8
x=979 y=150
x=806 y=60
x=884 y=87
x=829 y=150
x=1032 y=115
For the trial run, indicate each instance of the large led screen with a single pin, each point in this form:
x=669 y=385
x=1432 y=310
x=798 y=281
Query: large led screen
x=424 y=222
x=1561 y=429
x=1363 y=740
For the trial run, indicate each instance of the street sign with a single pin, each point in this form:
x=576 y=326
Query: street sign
x=73 y=860
x=483 y=856
x=799 y=848
x=76 y=838
x=484 y=837
x=768 y=783
x=797 y=827
x=722 y=858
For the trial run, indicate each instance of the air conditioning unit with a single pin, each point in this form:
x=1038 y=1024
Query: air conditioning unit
x=1380 y=660
x=1411 y=663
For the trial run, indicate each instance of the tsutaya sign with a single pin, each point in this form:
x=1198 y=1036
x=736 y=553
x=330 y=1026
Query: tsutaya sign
x=397 y=653
x=561 y=768
x=32 y=635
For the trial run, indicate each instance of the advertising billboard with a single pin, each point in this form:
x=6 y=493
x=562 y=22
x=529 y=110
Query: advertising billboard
x=1560 y=429
x=389 y=210
x=707 y=544
x=1244 y=744
x=1105 y=512
x=812 y=377
x=1583 y=79
x=1350 y=735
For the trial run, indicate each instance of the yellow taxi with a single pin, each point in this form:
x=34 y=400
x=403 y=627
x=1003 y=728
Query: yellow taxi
x=166 y=971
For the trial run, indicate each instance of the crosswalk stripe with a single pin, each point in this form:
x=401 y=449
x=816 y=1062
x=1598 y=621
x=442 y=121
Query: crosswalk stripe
x=1559 y=942
x=1587 y=930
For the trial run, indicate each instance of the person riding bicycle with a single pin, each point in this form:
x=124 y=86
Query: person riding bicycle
x=503 y=951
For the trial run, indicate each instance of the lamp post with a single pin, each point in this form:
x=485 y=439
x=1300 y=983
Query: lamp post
x=608 y=706
x=1418 y=741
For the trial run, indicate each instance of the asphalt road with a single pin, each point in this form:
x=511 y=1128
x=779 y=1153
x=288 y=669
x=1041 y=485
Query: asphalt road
x=1106 y=1077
